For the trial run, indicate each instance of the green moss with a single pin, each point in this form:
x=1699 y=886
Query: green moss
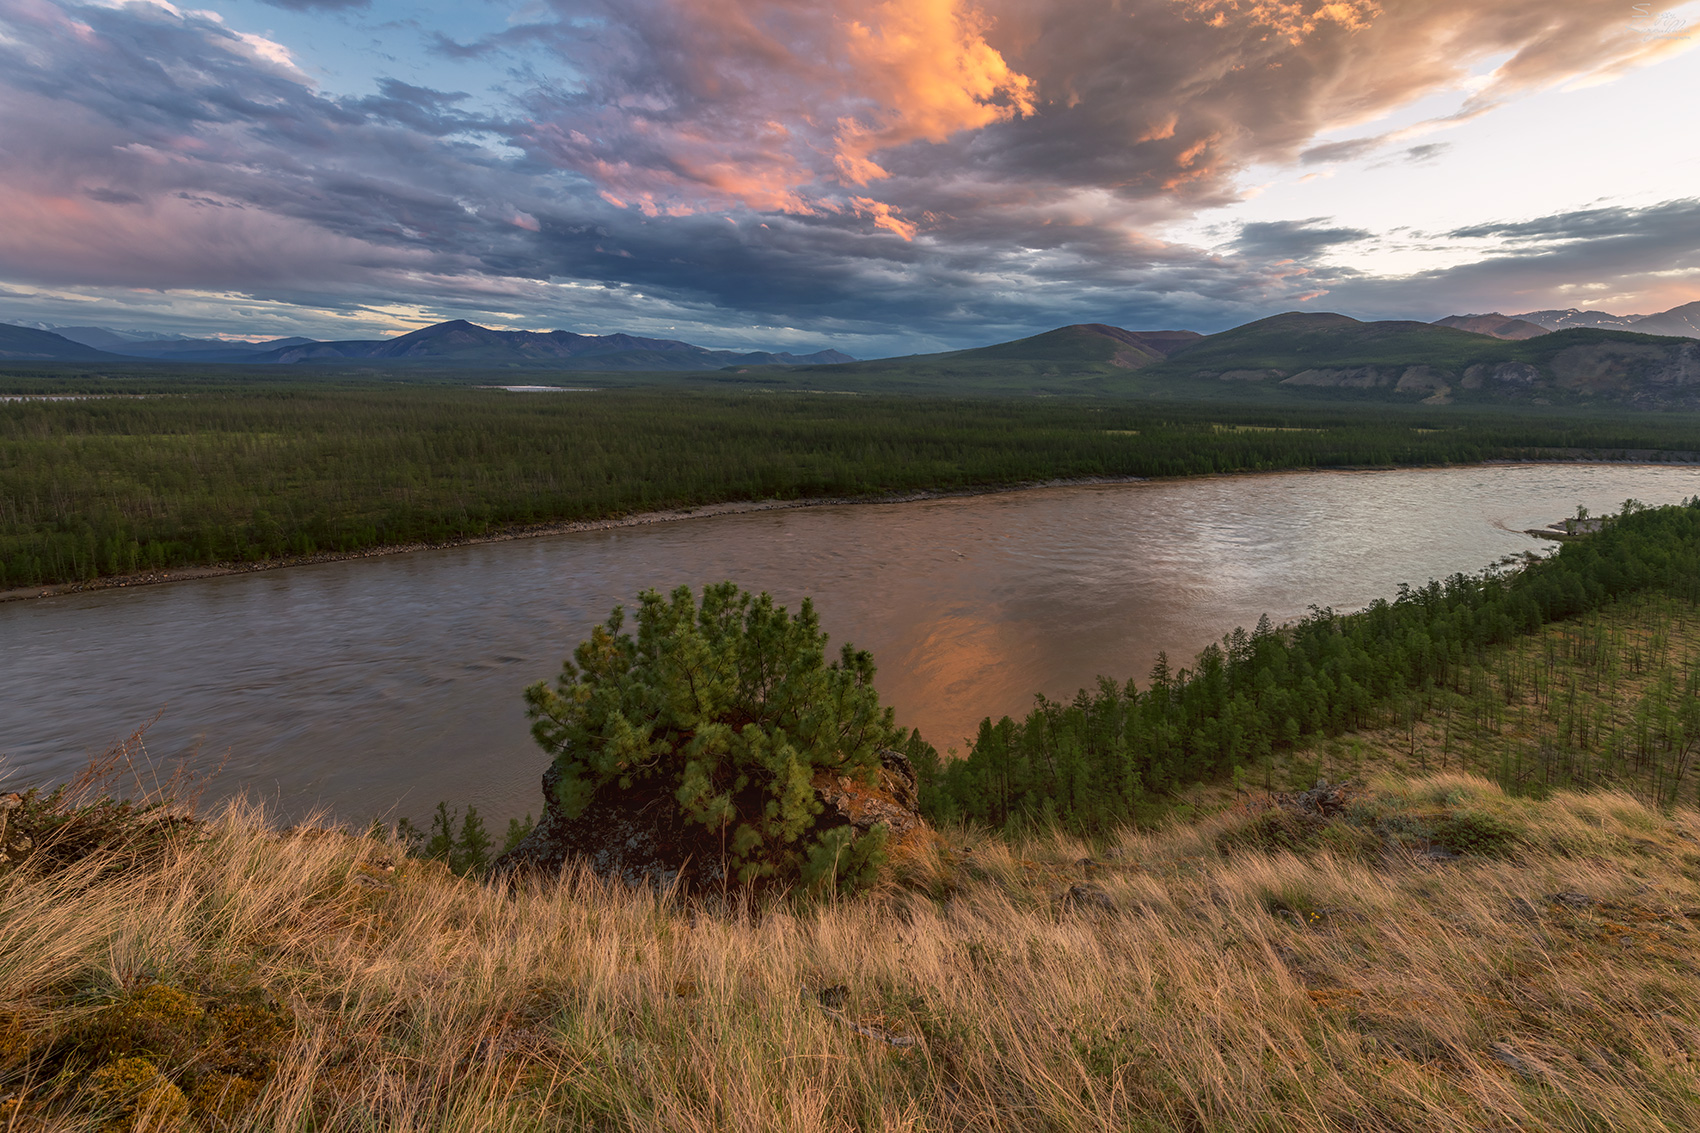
x=250 y=1039
x=132 y=1095
x=157 y=1020
x=15 y=1044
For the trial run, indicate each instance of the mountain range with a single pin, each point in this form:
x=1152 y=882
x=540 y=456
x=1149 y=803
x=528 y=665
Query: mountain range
x=461 y=341
x=1682 y=322
x=454 y=342
x=1303 y=355
x=169 y=348
x=1489 y=358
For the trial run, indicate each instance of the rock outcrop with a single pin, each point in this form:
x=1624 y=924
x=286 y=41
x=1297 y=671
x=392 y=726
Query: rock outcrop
x=1350 y=377
x=638 y=835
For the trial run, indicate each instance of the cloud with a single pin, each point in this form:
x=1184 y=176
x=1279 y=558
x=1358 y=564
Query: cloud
x=1599 y=257
x=444 y=46
x=1672 y=220
x=931 y=173
x=765 y=104
x=111 y=196
x=318 y=5
x=1293 y=239
x=1426 y=152
x=1339 y=151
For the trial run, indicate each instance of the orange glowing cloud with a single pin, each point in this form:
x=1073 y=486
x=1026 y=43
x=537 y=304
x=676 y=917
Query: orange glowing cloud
x=1293 y=20
x=884 y=216
x=930 y=73
x=776 y=106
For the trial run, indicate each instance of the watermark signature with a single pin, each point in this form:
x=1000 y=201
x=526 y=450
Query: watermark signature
x=1658 y=25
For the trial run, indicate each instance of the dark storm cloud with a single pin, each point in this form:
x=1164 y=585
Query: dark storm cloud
x=1673 y=222
x=1598 y=254
x=1292 y=239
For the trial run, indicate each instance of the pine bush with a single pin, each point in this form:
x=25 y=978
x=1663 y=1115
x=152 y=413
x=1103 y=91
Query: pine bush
x=727 y=707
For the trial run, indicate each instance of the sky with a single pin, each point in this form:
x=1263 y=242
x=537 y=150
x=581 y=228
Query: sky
x=879 y=176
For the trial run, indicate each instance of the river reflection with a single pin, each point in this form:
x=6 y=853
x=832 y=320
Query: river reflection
x=378 y=686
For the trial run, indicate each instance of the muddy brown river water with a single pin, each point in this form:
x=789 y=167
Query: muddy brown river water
x=378 y=686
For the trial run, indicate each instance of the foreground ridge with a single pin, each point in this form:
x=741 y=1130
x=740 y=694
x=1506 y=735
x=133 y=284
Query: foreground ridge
x=1391 y=954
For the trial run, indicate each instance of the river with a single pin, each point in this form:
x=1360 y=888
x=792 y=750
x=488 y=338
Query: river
x=379 y=686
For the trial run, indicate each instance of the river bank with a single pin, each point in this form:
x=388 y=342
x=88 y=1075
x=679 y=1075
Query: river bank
x=539 y=530
x=735 y=507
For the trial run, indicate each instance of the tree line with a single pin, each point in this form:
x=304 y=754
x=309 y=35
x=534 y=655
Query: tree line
x=188 y=475
x=1116 y=752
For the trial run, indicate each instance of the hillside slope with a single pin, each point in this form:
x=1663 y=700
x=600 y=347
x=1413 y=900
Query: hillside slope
x=1332 y=356
x=1387 y=957
x=25 y=344
x=1684 y=320
x=1063 y=360
x=1376 y=953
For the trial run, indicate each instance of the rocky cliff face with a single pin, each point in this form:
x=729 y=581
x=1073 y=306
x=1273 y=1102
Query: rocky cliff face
x=638 y=836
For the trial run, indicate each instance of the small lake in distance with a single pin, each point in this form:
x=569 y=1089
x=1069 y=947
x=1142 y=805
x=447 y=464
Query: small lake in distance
x=379 y=686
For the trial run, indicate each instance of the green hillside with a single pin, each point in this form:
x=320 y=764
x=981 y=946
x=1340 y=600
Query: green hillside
x=1300 y=340
x=1058 y=361
x=1297 y=341
x=1333 y=357
x=1294 y=356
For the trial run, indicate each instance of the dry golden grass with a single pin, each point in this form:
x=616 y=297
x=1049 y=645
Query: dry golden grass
x=1197 y=979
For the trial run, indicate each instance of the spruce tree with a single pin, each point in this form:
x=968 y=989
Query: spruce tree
x=442 y=844
x=472 y=850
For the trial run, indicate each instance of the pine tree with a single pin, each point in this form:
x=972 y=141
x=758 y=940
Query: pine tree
x=409 y=836
x=442 y=844
x=728 y=709
x=472 y=851
x=517 y=831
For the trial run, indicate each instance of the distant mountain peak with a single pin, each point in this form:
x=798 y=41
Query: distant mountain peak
x=1494 y=324
x=1572 y=317
x=1683 y=322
